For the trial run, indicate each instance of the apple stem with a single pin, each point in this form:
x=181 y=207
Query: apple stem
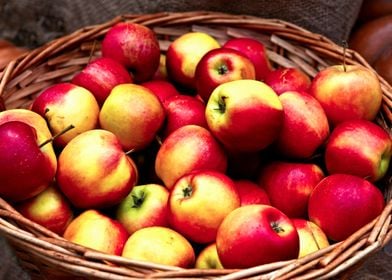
x=276 y=227
x=222 y=104
x=56 y=135
x=187 y=192
x=129 y=151
x=159 y=140
x=138 y=200
x=222 y=69
x=345 y=46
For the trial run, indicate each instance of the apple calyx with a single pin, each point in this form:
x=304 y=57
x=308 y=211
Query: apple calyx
x=51 y=139
x=138 y=199
x=223 y=69
x=222 y=104
x=187 y=192
x=275 y=226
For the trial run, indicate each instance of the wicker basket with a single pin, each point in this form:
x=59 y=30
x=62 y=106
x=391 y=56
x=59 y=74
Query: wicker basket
x=45 y=255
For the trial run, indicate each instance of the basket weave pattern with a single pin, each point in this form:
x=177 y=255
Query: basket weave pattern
x=45 y=254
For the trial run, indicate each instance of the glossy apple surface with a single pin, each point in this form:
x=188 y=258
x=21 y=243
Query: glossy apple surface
x=285 y=79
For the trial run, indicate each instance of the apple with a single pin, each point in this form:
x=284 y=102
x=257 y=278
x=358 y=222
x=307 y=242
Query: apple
x=208 y=258
x=161 y=88
x=359 y=147
x=244 y=115
x=311 y=237
x=145 y=206
x=347 y=92
x=342 y=203
x=65 y=104
x=256 y=234
x=135 y=46
x=251 y=193
x=134 y=114
x=181 y=110
x=161 y=72
x=188 y=148
x=198 y=203
x=285 y=79
x=305 y=126
x=289 y=185
x=97 y=231
x=49 y=208
x=160 y=245
x=100 y=76
x=219 y=66
x=183 y=55
x=255 y=51
x=25 y=168
x=94 y=172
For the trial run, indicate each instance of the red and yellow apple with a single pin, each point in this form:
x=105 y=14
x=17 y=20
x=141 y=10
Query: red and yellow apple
x=208 y=258
x=219 y=66
x=251 y=193
x=341 y=204
x=160 y=245
x=285 y=79
x=359 y=147
x=256 y=234
x=198 y=203
x=244 y=115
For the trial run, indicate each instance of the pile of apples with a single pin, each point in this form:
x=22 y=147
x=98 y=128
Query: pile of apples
x=202 y=156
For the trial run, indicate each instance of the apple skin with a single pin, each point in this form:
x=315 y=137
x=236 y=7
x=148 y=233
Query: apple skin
x=305 y=126
x=233 y=104
x=145 y=206
x=288 y=79
x=289 y=185
x=49 y=209
x=346 y=95
x=94 y=172
x=135 y=46
x=181 y=110
x=208 y=258
x=161 y=73
x=359 y=147
x=183 y=55
x=251 y=193
x=65 y=104
x=198 y=203
x=160 y=245
x=188 y=148
x=256 y=234
x=25 y=169
x=219 y=66
x=161 y=88
x=97 y=231
x=132 y=108
x=341 y=204
x=311 y=237
x=100 y=76
x=255 y=51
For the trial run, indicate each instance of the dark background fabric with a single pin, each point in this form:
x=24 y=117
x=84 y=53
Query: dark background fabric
x=34 y=22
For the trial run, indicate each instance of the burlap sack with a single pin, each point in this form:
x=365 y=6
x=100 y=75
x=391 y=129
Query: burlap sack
x=32 y=22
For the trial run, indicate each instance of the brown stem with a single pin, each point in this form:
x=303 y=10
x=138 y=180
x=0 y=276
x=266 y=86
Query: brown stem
x=57 y=135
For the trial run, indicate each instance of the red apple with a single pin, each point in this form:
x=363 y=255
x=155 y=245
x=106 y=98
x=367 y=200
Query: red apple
x=219 y=66
x=134 y=114
x=25 y=168
x=245 y=115
x=161 y=88
x=135 y=46
x=289 y=185
x=65 y=104
x=305 y=126
x=160 y=245
x=256 y=234
x=198 y=203
x=208 y=258
x=94 y=172
x=255 y=51
x=97 y=231
x=145 y=206
x=183 y=55
x=100 y=76
x=188 y=148
x=288 y=79
x=342 y=203
x=346 y=93
x=359 y=147
x=251 y=193
x=311 y=237
x=181 y=110
x=49 y=208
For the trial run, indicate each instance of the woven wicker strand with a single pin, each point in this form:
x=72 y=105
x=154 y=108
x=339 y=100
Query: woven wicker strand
x=44 y=254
